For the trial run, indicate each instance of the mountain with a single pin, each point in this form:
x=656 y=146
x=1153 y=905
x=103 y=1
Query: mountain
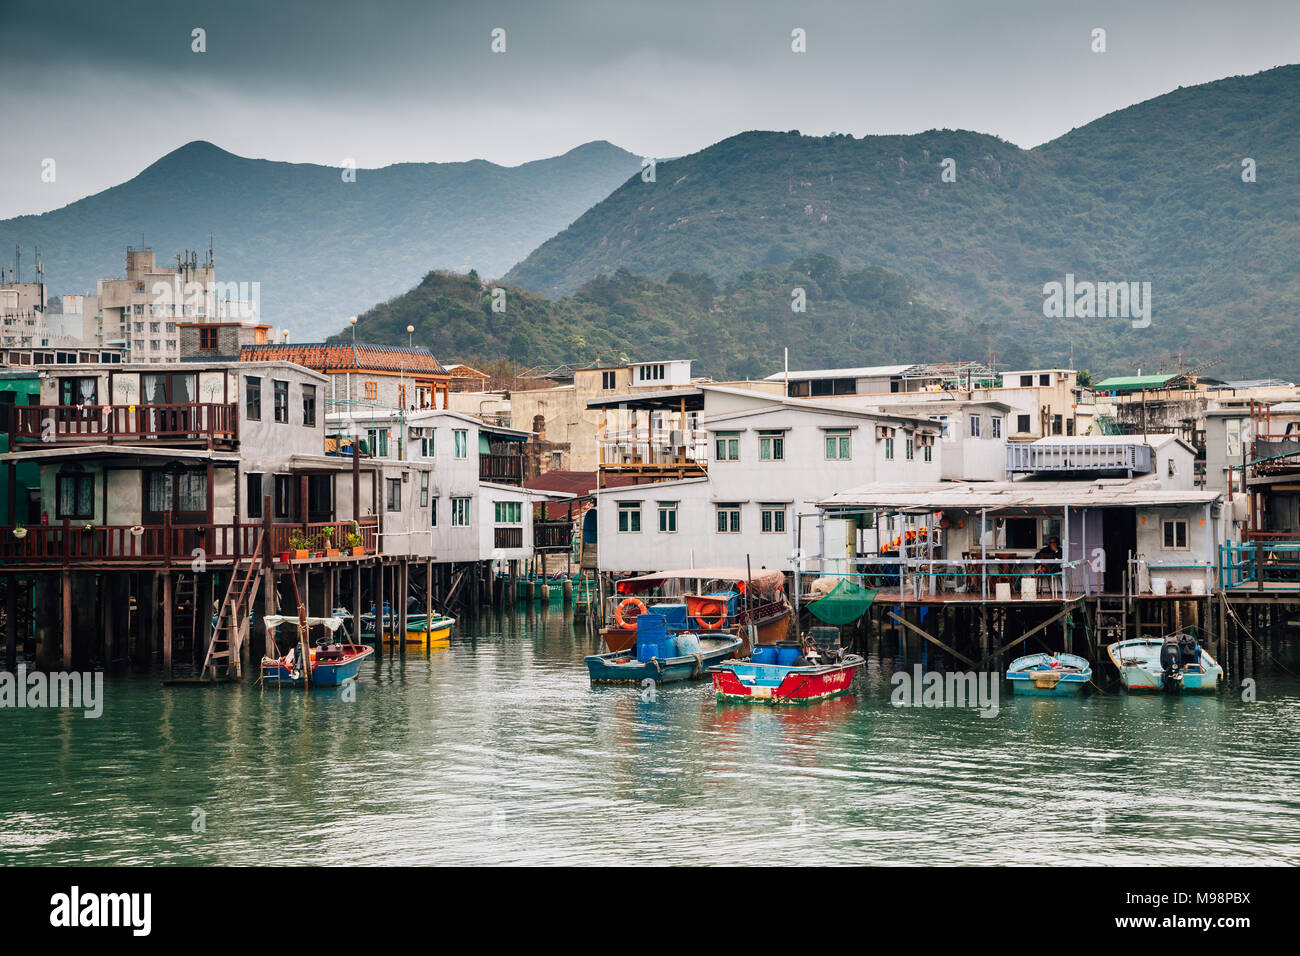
x=322 y=248
x=733 y=331
x=1152 y=193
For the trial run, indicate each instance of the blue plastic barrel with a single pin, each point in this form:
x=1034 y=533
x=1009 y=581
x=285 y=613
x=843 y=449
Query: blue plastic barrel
x=646 y=652
x=674 y=615
x=650 y=629
x=764 y=654
x=786 y=654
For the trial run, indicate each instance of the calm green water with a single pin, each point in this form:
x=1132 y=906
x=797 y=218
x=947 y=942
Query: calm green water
x=497 y=750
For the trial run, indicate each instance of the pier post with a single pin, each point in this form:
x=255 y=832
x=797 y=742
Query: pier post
x=356 y=603
x=428 y=599
x=109 y=610
x=168 y=609
x=66 y=619
x=11 y=621
x=405 y=589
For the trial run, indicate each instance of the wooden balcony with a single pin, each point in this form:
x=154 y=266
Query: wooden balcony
x=197 y=423
x=501 y=469
x=552 y=536
x=77 y=545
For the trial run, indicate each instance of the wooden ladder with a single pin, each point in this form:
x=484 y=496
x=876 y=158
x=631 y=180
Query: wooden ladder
x=232 y=619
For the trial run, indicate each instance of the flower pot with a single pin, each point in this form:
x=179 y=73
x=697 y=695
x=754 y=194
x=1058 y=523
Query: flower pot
x=301 y=554
x=358 y=551
x=284 y=557
x=332 y=552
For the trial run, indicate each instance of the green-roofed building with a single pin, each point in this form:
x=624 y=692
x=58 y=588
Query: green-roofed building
x=1125 y=384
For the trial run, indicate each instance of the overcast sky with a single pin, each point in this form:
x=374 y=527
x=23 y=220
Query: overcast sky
x=106 y=88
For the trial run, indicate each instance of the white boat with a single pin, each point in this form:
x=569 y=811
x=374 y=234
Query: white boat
x=1172 y=664
x=1054 y=675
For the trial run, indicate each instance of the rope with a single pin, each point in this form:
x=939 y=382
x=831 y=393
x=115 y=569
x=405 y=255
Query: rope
x=1223 y=597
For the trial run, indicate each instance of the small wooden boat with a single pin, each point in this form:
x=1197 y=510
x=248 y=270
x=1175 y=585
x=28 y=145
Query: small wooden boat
x=1053 y=675
x=1172 y=664
x=618 y=667
x=717 y=600
x=329 y=664
x=421 y=630
x=777 y=684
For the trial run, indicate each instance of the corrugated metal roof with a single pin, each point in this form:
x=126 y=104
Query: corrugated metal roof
x=1133 y=382
x=869 y=371
x=995 y=495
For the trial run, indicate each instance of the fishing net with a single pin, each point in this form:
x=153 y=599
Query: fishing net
x=843 y=603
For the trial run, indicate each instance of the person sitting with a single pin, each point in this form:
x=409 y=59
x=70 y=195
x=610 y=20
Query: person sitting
x=1049 y=552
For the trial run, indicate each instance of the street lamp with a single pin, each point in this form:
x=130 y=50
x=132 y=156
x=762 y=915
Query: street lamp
x=410 y=330
x=353 y=322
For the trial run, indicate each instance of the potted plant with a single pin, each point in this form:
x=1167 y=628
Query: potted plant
x=330 y=550
x=20 y=532
x=354 y=544
x=298 y=545
x=87 y=528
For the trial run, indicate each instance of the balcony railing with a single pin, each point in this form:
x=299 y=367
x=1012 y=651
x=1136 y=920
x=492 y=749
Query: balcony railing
x=1134 y=459
x=72 y=543
x=660 y=447
x=552 y=535
x=508 y=537
x=195 y=421
x=502 y=469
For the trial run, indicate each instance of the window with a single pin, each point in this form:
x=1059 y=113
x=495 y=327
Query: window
x=427 y=445
x=208 y=340
x=629 y=517
x=997 y=427
x=1175 y=534
x=889 y=449
x=508 y=512
x=668 y=516
x=726 y=446
x=253 y=398
x=1058 y=424
x=180 y=492
x=460 y=512
x=837 y=445
x=79 y=391
x=76 y=496
x=1022 y=424
x=650 y=373
x=253 y=484
x=771 y=446
x=608 y=380
x=1232 y=437
x=974 y=426
x=424 y=489
x=1045 y=380
x=394 y=493
x=1026 y=381
x=378 y=441
x=433 y=513
x=372 y=391
x=1173 y=469
x=283 y=496
x=728 y=518
x=281 y=400
x=773 y=519
x=909 y=448
x=154 y=327
x=927 y=453
x=309 y=405
x=460 y=439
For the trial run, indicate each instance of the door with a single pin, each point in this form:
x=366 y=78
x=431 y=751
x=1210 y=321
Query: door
x=320 y=498
x=1119 y=537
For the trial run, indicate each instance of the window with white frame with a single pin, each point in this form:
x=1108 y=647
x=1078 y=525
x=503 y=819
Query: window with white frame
x=460 y=439
x=726 y=446
x=974 y=426
x=728 y=518
x=1174 y=531
x=433 y=513
x=460 y=512
x=909 y=447
x=424 y=489
x=668 y=517
x=427 y=445
x=837 y=444
x=772 y=518
x=889 y=448
x=771 y=446
x=629 y=517
x=508 y=512
x=997 y=427
x=927 y=453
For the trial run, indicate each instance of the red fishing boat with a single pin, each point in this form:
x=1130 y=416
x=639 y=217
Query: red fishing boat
x=788 y=673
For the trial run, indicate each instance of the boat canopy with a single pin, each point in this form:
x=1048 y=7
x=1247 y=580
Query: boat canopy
x=765 y=580
x=275 y=620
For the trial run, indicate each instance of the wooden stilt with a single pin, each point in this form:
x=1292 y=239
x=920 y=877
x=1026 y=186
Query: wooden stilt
x=11 y=621
x=168 y=609
x=66 y=619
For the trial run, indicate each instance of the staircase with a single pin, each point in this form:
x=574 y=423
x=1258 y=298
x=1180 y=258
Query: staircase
x=185 y=625
x=232 y=619
x=1112 y=619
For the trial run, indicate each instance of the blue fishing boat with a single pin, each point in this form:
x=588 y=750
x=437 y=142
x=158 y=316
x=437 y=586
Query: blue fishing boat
x=1171 y=664
x=620 y=667
x=1049 y=675
x=329 y=664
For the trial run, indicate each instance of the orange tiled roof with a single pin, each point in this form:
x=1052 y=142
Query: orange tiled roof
x=339 y=357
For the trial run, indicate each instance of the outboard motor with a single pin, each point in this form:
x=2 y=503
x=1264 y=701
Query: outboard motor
x=1171 y=663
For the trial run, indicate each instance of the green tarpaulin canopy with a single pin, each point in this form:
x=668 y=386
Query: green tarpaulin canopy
x=843 y=603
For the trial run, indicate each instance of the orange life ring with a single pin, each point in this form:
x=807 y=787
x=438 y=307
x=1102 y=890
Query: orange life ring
x=628 y=602
x=706 y=609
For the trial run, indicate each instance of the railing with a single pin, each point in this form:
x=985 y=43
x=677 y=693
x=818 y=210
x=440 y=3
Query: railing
x=166 y=544
x=918 y=577
x=660 y=447
x=1272 y=565
x=323 y=535
x=195 y=421
x=1081 y=456
x=552 y=535
x=501 y=468
x=508 y=537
